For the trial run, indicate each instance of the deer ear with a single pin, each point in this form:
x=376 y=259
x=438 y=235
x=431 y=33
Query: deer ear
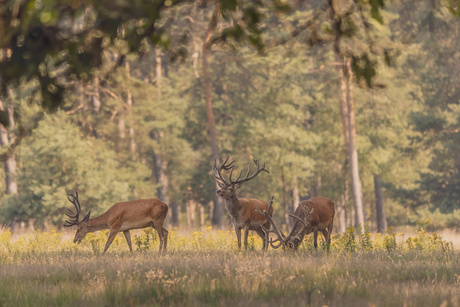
x=239 y=185
x=86 y=218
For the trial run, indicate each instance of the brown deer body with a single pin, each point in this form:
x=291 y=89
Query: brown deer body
x=313 y=215
x=122 y=217
x=243 y=211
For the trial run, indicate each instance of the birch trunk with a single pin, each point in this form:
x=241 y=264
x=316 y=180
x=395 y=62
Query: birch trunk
x=353 y=153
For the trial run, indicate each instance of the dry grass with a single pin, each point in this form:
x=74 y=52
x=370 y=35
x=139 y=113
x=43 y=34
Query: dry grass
x=206 y=269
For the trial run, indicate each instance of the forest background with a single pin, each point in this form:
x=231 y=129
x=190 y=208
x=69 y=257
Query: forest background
x=149 y=123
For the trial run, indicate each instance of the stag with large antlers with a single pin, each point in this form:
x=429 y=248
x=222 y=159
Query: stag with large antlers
x=243 y=211
x=313 y=215
x=123 y=216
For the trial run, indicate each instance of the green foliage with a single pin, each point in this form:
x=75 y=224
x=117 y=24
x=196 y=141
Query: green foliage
x=348 y=240
x=428 y=242
x=390 y=240
x=144 y=242
x=67 y=164
x=365 y=238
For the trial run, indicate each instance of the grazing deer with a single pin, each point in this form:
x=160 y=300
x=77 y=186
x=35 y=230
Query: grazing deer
x=123 y=216
x=313 y=215
x=242 y=210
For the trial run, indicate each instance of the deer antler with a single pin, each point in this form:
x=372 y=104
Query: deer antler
x=247 y=177
x=280 y=236
x=73 y=215
x=304 y=222
x=217 y=170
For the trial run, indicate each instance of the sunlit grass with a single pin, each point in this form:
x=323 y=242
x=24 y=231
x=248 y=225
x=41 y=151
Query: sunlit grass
x=205 y=268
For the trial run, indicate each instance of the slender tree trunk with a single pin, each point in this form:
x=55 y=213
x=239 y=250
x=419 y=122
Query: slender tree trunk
x=6 y=139
x=285 y=201
x=160 y=170
x=342 y=214
x=174 y=208
x=217 y=217
x=379 y=205
x=158 y=72
x=191 y=207
x=295 y=193
x=202 y=216
x=129 y=102
x=353 y=153
x=342 y=201
x=121 y=131
x=96 y=98
x=161 y=164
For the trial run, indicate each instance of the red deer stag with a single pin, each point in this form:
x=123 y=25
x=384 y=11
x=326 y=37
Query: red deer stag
x=242 y=210
x=313 y=215
x=123 y=216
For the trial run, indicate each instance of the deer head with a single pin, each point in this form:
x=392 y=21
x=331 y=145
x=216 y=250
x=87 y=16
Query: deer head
x=227 y=188
x=82 y=229
x=294 y=239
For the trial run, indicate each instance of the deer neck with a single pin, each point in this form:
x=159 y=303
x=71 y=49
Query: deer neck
x=97 y=223
x=233 y=205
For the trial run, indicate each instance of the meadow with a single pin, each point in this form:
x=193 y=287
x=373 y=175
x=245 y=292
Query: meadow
x=205 y=268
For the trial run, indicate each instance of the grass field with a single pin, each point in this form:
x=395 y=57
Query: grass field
x=205 y=268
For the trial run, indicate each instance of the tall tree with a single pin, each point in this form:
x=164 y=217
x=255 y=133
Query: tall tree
x=217 y=218
x=6 y=138
x=353 y=152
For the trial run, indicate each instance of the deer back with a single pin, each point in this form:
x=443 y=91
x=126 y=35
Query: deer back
x=130 y=214
x=136 y=210
x=249 y=210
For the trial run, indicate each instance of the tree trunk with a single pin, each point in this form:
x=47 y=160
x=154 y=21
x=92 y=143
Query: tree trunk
x=11 y=180
x=121 y=132
x=217 y=216
x=353 y=154
x=285 y=201
x=160 y=162
x=96 y=98
x=174 y=214
x=342 y=212
x=202 y=217
x=379 y=205
x=191 y=207
x=129 y=102
x=295 y=193
x=160 y=166
x=158 y=72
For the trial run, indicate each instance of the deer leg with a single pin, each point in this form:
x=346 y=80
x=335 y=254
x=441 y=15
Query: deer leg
x=165 y=242
x=128 y=239
x=329 y=232
x=246 y=233
x=159 y=229
x=238 y=236
x=264 y=237
x=315 y=237
x=112 y=235
x=327 y=237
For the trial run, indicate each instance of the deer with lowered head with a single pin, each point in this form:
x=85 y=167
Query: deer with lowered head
x=313 y=215
x=243 y=211
x=121 y=217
